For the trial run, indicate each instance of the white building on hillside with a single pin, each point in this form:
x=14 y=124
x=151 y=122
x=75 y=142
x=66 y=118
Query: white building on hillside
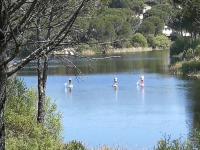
x=167 y=31
x=145 y=9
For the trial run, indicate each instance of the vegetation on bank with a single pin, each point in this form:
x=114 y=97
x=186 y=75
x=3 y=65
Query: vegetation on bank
x=187 y=51
x=114 y=23
x=186 y=48
x=22 y=129
x=111 y=24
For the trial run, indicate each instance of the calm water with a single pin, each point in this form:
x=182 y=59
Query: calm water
x=130 y=117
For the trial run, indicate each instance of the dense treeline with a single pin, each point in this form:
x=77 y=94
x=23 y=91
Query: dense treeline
x=114 y=23
x=110 y=24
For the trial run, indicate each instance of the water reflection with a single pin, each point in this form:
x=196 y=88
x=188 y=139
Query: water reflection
x=127 y=63
x=194 y=104
x=68 y=91
x=116 y=89
x=141 y=93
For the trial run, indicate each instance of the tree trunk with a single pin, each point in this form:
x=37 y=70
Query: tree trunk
x=40 y=116
x=42 y=78
x=3 y=80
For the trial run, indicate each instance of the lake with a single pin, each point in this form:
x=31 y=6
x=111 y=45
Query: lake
x=130 y=117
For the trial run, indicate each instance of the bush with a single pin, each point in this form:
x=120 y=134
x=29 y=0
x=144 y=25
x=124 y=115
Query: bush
x=151 y=41
x=83 y=47
x=136 y=6
x=122 y=44
x=119 y=4
x=138 y=40
x=191 y=67
x=192 y=143
x=183 y=43
x=179 y=45
x=147 y=28
x=161 y=41
x=188 y=54
x=166 y=144
x=22 y=129
x=162 y=11
x=158 y=24
x=74 y=145
x=197 y=50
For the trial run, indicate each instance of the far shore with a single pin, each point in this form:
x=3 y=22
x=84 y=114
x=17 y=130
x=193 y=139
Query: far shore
x=119 y=51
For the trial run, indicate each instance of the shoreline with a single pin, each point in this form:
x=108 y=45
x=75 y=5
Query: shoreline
x=119 y=51
x=176 y=69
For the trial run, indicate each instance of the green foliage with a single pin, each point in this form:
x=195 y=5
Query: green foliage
x=197 y=50
x=116 y=21
x=111 y=24
x=161 y=41
x=83 y=47
x=147 y=28
x=119 y=4
x=102 y=29
x=161 y=11
x=105 y=2
x=151 y=41
x=22 y=129
x=83 y=24
x=186 y=17
x=138 y=40
x=193 y=142
x=74 y=145
x=179 y=45
x=157 y=22
x=191 y=67
x=124 y=31
x=134 y=5
x=166 y=144
x=182 y=44
x=122 y=44
x=188 y=54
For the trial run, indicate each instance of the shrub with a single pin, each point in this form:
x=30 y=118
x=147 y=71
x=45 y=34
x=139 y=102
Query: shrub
x=151 y=41
x=136 y=6
x=192 y=143
x=22 y=129
x=74 y=145
x=161 y=41
x=197 y=50
x=118 y=4
x=183 y=43
x=157 y=22
x=122 y=44
x=138 y=40
x=179 y=45
x=162 y=11
x=191 y=67
x=188 y=54
x=167 y=144
x=83 y=47
x=147 y=28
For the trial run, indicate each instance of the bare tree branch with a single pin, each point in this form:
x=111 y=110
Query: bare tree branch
x=53 y=43
x=24 y=19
